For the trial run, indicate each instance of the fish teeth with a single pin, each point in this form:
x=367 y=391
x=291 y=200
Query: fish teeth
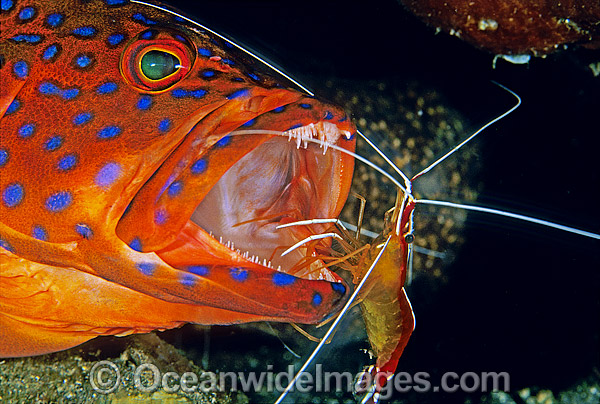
x=327 y=132
x=246 y=255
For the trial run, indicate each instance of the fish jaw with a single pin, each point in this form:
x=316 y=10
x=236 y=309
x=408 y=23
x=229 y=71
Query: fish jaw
x=273 y=181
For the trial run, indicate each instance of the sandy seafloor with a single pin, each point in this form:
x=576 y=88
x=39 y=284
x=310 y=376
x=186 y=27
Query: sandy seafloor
x=509 y=297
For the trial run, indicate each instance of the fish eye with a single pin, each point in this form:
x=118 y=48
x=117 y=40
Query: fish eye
x=157 y=65
x=409 y=238
x=154 y=63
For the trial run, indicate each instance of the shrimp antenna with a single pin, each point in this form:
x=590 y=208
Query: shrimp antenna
x=477 y=132
x=472 y=207
x=385 y=157
x=511 y=215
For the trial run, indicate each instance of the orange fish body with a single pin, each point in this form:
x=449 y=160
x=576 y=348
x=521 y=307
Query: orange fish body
x=117 y=162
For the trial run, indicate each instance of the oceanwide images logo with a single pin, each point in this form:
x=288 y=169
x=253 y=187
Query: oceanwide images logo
x=105 y=378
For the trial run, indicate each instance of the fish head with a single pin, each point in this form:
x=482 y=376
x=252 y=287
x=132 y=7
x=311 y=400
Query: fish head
x=146 y=151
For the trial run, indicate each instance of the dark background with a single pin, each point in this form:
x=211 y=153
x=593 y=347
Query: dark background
x=523 y=299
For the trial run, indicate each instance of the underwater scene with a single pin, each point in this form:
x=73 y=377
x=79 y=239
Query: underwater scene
x=505 y=311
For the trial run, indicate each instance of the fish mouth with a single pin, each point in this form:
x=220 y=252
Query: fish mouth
x=292 y=177
x=283 y=180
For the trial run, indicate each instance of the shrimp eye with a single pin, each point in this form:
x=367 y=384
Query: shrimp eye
x=157 y=65
x=409 y=238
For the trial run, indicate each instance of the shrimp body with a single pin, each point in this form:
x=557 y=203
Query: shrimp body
x=387 y=313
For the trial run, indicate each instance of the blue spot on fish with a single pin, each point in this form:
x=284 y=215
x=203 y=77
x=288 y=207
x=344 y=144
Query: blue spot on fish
x=26 y=38
x=328 y=115
x=204 y=52
x=67 y=162
x=179 y=93
x=54 y=20
x=160 y=217
x=142 y=18
x=199 y=166
x=306 y=106
x=27 y=13
x=83 y=61
x=108 y=174
x=6 y=245
x=238 y=93
x=49 y=89
x=115 y=39
x=13 y=195
x=250 y=123
x=208 y=74
x=109 y=132
x=136 y=244
x=175 y=189
x=107 y=88
x=144 y=103
x=39 y=233
x=165 y=125
x=253 y=76
x=238 y=274
x=283 y=279
x=148 y=34
x=147 y=268
x=59 y=201
x=115 y=2
x=223 y=141
x=51 y=52
x=317 y=299
x=3 y=157
x=84 y=230
x=200 y=270
x=13 y=107
x=85 y=31
x=70 y=93
x=53 y=143
x=187 y=279
x=279 y=109
x=228 y=62
x=6 y=5
x=26 y=130
x=82 y=118
x=338 y=287
x=21 y=69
